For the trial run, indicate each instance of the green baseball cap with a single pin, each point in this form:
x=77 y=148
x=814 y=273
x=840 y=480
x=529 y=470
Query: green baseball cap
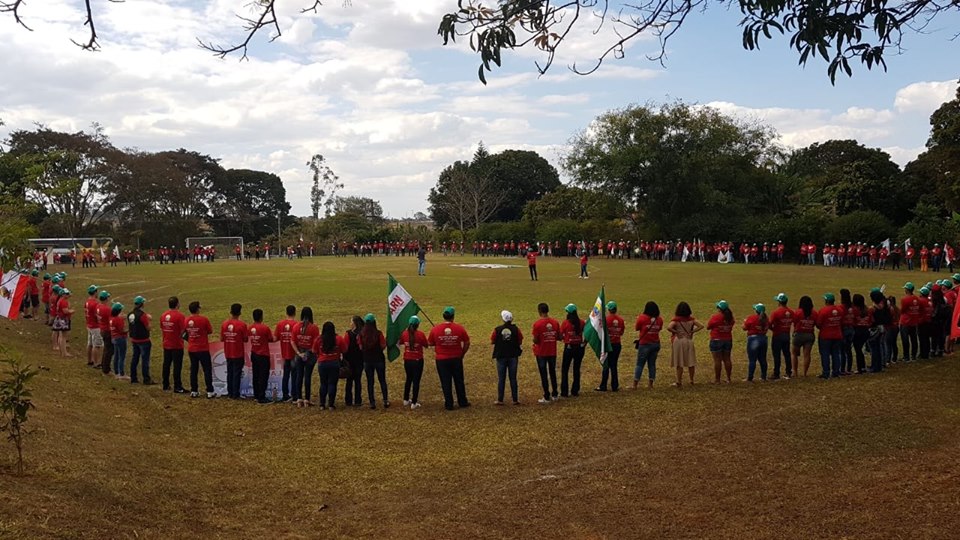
x=116 y=306
x=924 y=291
x=956 y=277
x=413 y=320
x=46 y=276
x=875 y=290
x=92 y=289
x=104 y=295
x=571 y=308
x=56 y=289
x=35 y=273
x=65 y=292
x=829 y=297
x=611 y=306
x=369 y=317
x=139 y=301
x=759 y=308
x=782 y=297
x=63 y=275
x=56 y=279
x=449 y=311
x=723 y=305
x=908 y=286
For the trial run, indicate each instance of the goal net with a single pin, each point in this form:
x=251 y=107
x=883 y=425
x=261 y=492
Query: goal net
x=224 y=247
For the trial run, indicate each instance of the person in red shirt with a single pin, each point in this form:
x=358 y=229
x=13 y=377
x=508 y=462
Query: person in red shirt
x=648 y=325
x=804 y=322
x=830 y=340
x=756 y=326
x=573 y=349
x=372 y=345
x=862 y=321
x=118 y=336
x=233 y=334
x=583 y=265
x=545 y=332
x=45 y=296
x=103 y=325
x=720 y=326
x=924 y=259
x=507 y=341
x=198 y=330
x=781 y=320
x=451 y=343
x=910 y=315
x=94 y=341
x=329 y=348
x=532 y=263
x=172 y=325
x=354 y=359
x=925 y=328
x=32 y=299
x=284 y=335
x=260 y=339
x=615 y=328
x=847 y=323
x=61 y=326
x=414 y=342
x=304 y=335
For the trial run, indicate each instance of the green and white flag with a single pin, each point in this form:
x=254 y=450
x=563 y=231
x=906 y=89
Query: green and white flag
x=595 y=332
x=400 y=307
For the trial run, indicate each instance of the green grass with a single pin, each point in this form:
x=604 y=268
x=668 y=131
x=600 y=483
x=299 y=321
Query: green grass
x=865 y=457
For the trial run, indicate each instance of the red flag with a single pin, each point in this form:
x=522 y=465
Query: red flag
x=954 y=329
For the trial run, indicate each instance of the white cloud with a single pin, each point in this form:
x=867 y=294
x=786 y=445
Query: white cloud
x=924 y=97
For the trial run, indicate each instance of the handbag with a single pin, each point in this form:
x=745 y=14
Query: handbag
x=345 y=370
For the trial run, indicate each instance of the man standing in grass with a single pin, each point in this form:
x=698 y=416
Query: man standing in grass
x=139 y=322
x=615 y=328
x=104 y=312
x=544 y=333
x=451 y=343
x=172 y=324
x=233 y=334
x=284 y=334
x=260 y=339
x=94 y=342
x=421 y=261
x=198 y=330
x=532 y=262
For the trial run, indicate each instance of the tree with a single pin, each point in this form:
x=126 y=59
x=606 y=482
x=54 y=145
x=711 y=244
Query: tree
x=839 y=31
x=325 y=185
x=463 y=198
x=364 y=207
x=247 y=203
x=523 y=176
x=574 y=204
x=938 y=168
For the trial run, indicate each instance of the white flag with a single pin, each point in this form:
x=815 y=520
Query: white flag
x=906 y=244
x=116 y=252
x=103 y=254
x=686 y=253
x=886 y=244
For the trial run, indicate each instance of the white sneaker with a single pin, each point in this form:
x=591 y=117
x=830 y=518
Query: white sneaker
x=211 y=395
x=194 y=394
x=543 y=401
x=406 y=402
x=415 y=406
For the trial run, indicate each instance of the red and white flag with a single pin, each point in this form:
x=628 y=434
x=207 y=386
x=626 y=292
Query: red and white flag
x=13 y=286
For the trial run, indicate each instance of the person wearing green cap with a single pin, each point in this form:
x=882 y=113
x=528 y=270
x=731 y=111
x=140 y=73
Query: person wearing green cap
x=720 y=326
x=62 y=324
x=45 y=297
x=615 y=329
x=571 y=329
x=55 y=291
x=830 y=323
x=414 y=342
x=103 y=325
x=94 y=342
x=756 y=326
x=372 y=345
x=33 y=295
x=451 y=343
x=118 y=336
x=925 y=328
x=911 y=312
x=861 y=330
x=781 y=322
x=139 y=323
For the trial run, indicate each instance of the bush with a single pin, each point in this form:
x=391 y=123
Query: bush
x=866 y=226
x=15 y=404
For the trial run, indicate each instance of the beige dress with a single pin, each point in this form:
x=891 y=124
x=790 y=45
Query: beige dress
x=682 y=353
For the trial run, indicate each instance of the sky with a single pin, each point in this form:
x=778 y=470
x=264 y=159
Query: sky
x=368 y=85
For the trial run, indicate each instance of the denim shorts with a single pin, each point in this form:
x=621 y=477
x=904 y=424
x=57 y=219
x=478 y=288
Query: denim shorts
x=801 y=339
x=717 y=345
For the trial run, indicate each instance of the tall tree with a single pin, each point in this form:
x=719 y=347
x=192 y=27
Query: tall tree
x=464 y=199
x=939 y=166
x=249 y=203
x=325 y=186
x=365 y=207
x=523 y=176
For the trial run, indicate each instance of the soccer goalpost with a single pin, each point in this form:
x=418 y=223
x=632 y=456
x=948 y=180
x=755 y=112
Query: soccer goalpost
x=225 y=247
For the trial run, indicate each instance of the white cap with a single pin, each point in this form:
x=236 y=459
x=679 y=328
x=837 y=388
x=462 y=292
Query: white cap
x=506 y=316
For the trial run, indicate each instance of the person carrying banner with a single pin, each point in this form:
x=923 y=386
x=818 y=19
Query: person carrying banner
x=451 y=343
x=414 y=342
x=571 y=329
x=615 y=329
x=198 y=330
x=260 y=339
x=507 y=341
x=233 y=334
x=545 y=332
x=172 y=324
x=284 y=335
x=104 y=312
x=372 y=345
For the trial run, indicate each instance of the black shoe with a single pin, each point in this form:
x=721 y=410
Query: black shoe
x=464 y=405
x=149 y=383
x=373 y=405
x=263 y=401
x=134 y=381
x=448 y=407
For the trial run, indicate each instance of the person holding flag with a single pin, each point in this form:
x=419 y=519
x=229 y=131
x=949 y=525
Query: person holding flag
x=571 y=329
x=451 y=343
x=507 y=341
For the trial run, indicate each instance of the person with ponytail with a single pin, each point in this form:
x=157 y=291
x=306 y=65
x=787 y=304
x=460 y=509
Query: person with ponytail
x=861 y=330
x=372 y=344
x=720 y=326
x=414 y=342
x=573 y=349
x=882 y=316
x=848 y=332
x=781 y=322
x=756 y=326
x=305 y=333
x=329 y=348
x=354 y=359
x=804 y=321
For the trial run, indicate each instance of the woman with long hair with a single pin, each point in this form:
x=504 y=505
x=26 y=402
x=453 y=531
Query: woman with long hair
x=881 y=316
x=573 y=348
x=682 y=353
x=354 y=359
x=756 y=326
x=649 y=323
x=329 y=348
x=861 y=330
x=804 y=321
x=720 y=326
x=372 y=344
x=305 y=333
x=848 y=332
x=414 y=342
x=892 y=332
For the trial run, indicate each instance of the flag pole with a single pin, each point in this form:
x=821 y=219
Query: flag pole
x=424 y=313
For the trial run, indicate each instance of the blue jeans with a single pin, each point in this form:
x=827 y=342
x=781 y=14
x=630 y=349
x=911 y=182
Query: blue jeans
x=119 y=355
x=302 y=375
x=610 y=368
x=757 y=353
x=780 y=343
x=647 y=356
x=878 y=352
x=846 y=349
x=505 y=366
x=583 y=270
x=830 y=357
x=140 y=350
x=422 y=268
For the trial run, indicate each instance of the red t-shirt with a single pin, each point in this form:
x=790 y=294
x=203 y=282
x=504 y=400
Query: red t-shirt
x=45 y=291
x=926 y=309
x=720 y=329
x=754 y=326
x=103 y=317
x=614 y=328
x=447 y=339
x=780 y=321
x=233 y=334
x=260 y=338
x=90 y=313
x=849 y=317
x=910 y=310
x=305 y=336
x=198 y=328
x=118 y=327
x=545 y=333
x=172 y=324
x=649 y=329
x=862 y=318
x=333 y=356
x=583 y=260
x=830 y=322
x=570 y=337
x=532 y=258
x=803 y=324
x=62 y=306
x=415 y=351
x=284 y=334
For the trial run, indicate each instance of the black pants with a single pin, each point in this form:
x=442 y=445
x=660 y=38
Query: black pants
x=547 y=365
x=450 y=372
x=107 y=359
x=414 y=371
x=380 y=368
x=174 y=358
x=329 y=378
x=353 y=395
x=938 y=333
x=572 y=355
x=859 y=340
x=201 y=360
x=924 y=333
x=610 y=369
x=909 y=342
x=261 y=374
x=533 y=272
x=234 y=376
x=285 y=382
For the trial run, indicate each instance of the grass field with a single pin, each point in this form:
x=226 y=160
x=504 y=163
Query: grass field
x=859 y=457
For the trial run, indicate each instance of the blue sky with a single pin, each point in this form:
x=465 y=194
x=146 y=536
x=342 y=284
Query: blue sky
x=370 y=87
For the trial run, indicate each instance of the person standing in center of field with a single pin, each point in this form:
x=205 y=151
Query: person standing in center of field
x=545 y=332
x=584 y=259
x=649 y=323
x=372 y=344
x=414 y=341
x=615 y=328
x=573 y=349
x=260 y=339
x=682 y=353
x=284 y=335
x=421 y=261
x=720 y=326
x=532 y=262
x=507 y=341
x=451 y=343
x=233 y=334
x=198 y=330
x=172 y=325
x=139 y=323
x=354 y=359
x=781 y=321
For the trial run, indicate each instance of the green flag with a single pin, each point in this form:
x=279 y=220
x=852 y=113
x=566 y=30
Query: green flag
x=400 y=307
x=595 y=333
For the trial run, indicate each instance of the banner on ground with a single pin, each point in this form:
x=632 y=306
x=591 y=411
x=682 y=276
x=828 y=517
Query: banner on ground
x=595 y=333
x=274 y=383
x=400 y=307
x=13 y=286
